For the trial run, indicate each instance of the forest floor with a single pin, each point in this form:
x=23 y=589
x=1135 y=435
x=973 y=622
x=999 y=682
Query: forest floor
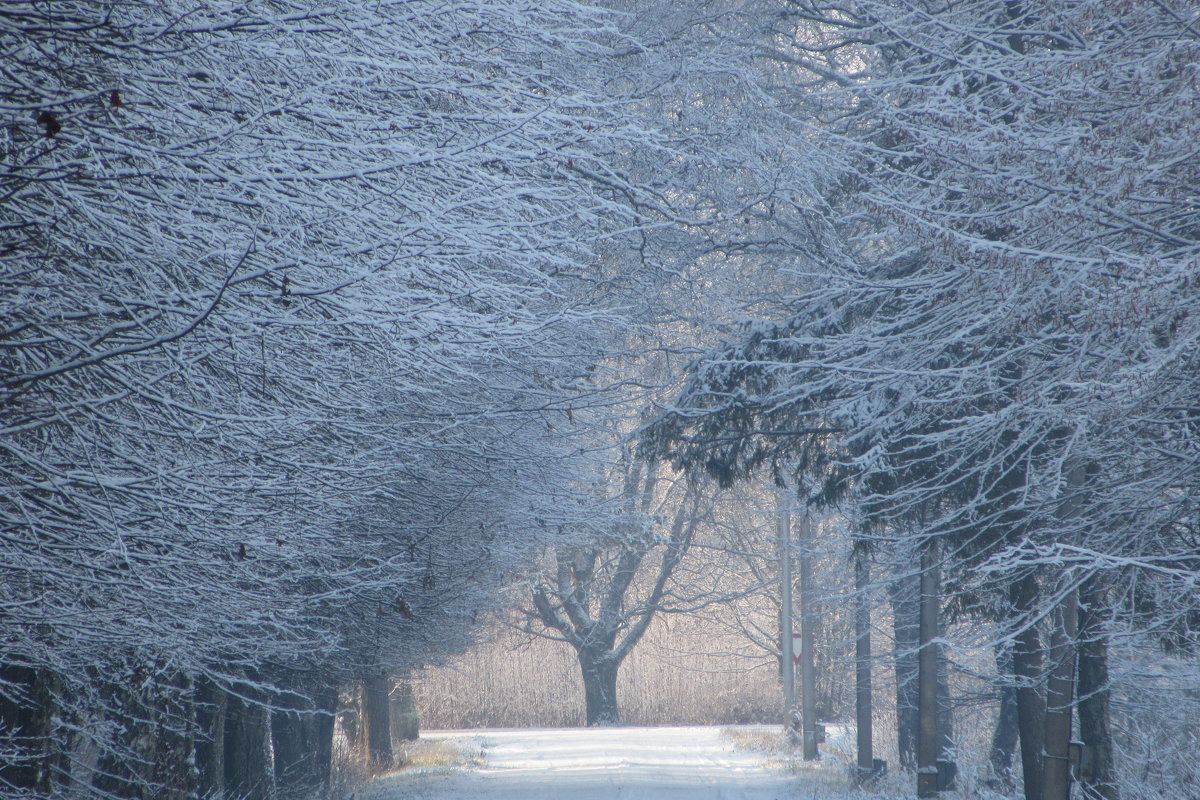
x=629 y=763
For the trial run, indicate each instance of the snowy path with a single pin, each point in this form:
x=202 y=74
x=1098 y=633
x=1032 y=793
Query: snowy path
x=598 y=764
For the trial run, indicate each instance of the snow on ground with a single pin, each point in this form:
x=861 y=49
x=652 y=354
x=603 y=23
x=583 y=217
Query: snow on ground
x=692 y=763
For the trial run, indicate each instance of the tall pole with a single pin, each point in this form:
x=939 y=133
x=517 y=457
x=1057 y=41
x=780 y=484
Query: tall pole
x=862 y=667
x=927 y=677
x=784 y=527
x=808 y=682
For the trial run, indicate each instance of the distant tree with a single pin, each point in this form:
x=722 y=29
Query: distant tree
x=600 y=595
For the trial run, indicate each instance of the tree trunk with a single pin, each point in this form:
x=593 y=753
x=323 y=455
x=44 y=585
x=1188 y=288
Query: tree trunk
x=1060 y=681
x=377 y=707
x=405 y=723
x=599 y=687
x=82 y=758
x=1060 y=697
x=1097 y=775
x=172 y=741
x=210 y=707
x=947 y=766
x=1031 y=704
x=26 y=729
x=327 y=705
x=249 y=774
x=124 y=766
x=1004 y=737
x=289 y=745
x=351 y=715
x=927 y=661
x=302 y=740
x=905 y=615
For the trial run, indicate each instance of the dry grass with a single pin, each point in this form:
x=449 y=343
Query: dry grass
x=421 y=765
x=512 y=682
x=826 y=778
x=769 y=740
x=437 y=755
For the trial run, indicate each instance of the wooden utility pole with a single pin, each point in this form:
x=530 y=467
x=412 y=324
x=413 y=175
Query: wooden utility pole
x=927 y=675
x=862 y=669
x=808 y=682
x=784 y=528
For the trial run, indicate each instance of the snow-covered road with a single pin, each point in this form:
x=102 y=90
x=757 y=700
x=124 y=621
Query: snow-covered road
x=598 y=764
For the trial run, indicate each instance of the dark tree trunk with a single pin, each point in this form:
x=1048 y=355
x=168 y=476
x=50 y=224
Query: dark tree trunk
x=327 y=705
x=117 y=775
x=1060 y=700
x=945 y=711
x=599 y=687
x=1064 y=651
x=81 y=758
x=377 y=708
x=152 y=752
x=26 y=729
x=210 y=707
x=302 y=739
x=1031 y=703
x=1098 y=779
x=289 y=744
x=1004 y=737
x=905 y=624
x=405 y=724
x=249 y=774
x=173 y=740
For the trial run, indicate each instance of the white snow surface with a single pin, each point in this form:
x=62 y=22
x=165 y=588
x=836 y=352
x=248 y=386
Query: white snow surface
x=630 y=763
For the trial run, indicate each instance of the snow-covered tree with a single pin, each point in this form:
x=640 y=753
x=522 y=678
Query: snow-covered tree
x=996 y=353
x=289 y=293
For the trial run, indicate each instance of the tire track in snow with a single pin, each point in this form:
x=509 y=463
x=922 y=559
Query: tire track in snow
x=625 y=763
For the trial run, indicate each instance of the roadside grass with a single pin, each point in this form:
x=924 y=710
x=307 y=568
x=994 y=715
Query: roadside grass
x=420 y=765
x=827 y=778
x=758 y=739
x=436 y=755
